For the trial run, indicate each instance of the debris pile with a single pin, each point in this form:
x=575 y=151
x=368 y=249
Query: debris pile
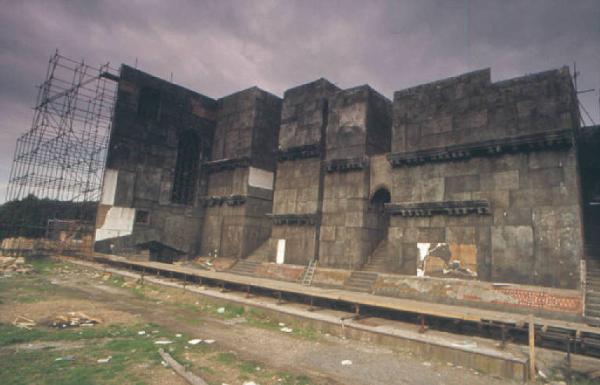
x=73 y=319
x=10 y=265
x=23 y=322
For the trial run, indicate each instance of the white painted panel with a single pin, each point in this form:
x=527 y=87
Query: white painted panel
x=109 y=187
x=260 y=178
x=280 y=251
x=118 y=223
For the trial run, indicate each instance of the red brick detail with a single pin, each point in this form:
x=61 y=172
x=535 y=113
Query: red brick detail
x=542 y=300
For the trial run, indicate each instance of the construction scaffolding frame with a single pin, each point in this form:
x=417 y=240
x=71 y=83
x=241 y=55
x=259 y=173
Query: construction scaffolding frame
x=62 y=156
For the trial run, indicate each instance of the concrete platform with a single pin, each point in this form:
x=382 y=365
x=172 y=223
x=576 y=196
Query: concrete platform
x=362 y=299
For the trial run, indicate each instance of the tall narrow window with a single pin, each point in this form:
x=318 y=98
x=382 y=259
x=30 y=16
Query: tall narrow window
x=186 y=167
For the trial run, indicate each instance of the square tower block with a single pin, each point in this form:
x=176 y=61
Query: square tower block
x=240 y=175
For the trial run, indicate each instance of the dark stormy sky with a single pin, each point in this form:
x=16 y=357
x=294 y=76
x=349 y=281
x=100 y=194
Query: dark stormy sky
x=218 y=47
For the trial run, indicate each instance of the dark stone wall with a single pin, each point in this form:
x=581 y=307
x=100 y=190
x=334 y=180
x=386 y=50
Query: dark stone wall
x=298 y=181
x=532 y=232
x=359 y=124
x=589 y=160
x=296 y=193
x=347 y=230
x=469 y=108
x=306 y=168
x=247 y=128
x=304 y=109
x=142 y=154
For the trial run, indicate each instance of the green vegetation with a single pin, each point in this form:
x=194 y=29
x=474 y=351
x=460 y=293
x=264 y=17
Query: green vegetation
x=80 y=365
x=49 y=356
x=29 y=216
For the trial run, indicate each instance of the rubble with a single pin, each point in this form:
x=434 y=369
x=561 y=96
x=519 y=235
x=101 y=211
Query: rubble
x=74 y=319
x=104 y=360
x=10 y=265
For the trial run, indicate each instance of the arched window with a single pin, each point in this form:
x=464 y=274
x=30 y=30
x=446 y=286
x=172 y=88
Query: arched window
x=186 y=168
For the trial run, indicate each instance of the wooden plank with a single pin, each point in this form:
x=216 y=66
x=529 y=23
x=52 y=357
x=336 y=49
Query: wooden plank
x=532 y=372
x=190 y=377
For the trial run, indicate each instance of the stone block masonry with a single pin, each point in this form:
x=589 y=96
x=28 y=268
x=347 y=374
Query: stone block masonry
x=459 y=178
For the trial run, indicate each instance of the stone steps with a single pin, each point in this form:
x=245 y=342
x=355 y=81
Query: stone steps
x=592 y=295
x=360 y=281
x=244 y=267
x=379 y=259
x=262 y=252
x=592 y=313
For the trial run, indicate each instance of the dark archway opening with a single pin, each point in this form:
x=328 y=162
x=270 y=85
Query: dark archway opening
x=381 y=217
x=381 y=197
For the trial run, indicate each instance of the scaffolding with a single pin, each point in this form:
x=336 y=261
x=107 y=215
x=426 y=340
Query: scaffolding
x=62 y=156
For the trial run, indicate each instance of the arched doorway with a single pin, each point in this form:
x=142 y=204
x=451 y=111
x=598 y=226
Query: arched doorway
x=380 y=197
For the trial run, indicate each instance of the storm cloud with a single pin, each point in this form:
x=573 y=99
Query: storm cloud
x=219 y=47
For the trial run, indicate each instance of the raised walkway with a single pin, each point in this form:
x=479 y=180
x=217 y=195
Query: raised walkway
x=355 y=298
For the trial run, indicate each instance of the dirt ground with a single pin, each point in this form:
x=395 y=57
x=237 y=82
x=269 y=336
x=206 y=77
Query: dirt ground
x=247 y=347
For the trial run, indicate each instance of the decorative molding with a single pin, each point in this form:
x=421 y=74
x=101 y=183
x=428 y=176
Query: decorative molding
x=299 y=152
x=346 y=164
x=230 y=200
x=426 y=209
x=294 y=219
x=536 y=142
x=226 y=164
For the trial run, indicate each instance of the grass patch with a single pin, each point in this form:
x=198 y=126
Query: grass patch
x=261 y=320
x=123 y=343
x=226 y=358
x=43 y=265
x=248 y=367
x=10 y=334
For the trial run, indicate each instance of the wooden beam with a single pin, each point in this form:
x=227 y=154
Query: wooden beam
x=532 y=372
x=190 y=377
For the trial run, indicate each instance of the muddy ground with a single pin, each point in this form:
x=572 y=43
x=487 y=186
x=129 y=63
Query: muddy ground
x=249 y=346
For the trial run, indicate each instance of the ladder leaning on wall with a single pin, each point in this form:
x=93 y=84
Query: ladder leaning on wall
x=309 y=273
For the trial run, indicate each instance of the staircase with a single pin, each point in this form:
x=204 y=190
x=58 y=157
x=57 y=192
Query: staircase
x=592 y=295
x=379 y=261
x=244 y=267
x=309 y=273
x=360 y=281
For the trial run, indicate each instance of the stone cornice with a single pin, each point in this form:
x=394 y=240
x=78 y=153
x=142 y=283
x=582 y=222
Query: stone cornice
x=226 y=164
x=536 y=142
x=229 y=200
x=294 y=219
x=346 y=164
x=426 y=209
x=299 y=152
